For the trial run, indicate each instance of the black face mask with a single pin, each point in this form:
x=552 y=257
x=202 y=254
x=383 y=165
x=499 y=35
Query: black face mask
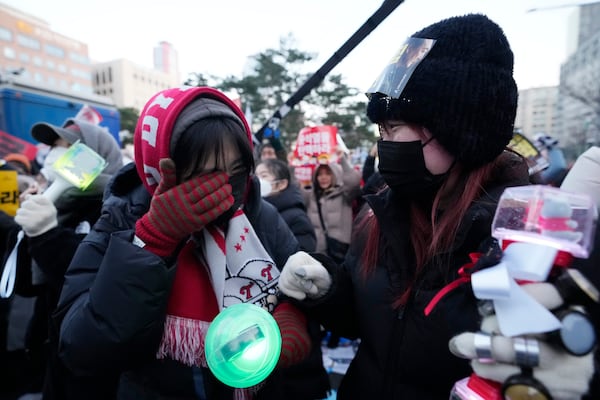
x=402 y=167
x=238 y=184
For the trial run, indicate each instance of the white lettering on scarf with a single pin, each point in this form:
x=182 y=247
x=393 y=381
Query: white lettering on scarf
x=241 y=270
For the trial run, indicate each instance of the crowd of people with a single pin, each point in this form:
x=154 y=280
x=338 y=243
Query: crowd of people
x=116 y=286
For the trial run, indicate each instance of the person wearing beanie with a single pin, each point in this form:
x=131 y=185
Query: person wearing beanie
x=442 y=155
x=19 y=162
x=51 y=233
x=184 y=234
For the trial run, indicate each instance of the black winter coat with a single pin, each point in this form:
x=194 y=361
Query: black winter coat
x=404 y=354
x=290 y=205
x=51 y=252
x=310 y=372
x=113 y=305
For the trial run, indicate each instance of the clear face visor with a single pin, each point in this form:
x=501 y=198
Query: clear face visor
x=395 y=75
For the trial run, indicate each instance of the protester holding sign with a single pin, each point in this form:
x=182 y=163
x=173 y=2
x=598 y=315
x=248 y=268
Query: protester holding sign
x=442 y=153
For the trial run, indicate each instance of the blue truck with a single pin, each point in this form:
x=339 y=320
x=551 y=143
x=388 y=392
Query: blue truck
x=23 y=104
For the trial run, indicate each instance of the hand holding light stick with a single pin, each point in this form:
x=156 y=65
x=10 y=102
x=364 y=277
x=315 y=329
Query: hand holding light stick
x=533 y=292
x=78 y=167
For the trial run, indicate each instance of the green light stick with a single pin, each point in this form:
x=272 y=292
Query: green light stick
x=242 y=345
x=78 y=167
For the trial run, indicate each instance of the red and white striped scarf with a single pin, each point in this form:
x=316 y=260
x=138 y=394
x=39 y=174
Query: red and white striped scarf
x=223 y=270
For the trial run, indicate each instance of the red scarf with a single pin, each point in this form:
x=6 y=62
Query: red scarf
x=236 y=269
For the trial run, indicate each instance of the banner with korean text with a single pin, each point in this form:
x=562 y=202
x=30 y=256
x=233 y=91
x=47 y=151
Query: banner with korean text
x=314 y=145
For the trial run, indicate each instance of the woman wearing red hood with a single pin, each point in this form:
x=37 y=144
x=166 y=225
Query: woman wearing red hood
x=184 y=234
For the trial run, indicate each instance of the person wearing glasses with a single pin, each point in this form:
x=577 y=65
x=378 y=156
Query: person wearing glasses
x=442 y=154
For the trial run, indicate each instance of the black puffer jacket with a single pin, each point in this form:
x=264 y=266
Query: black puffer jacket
x=290 y=204
x=403 y=354
x=309 y=378
x=113 y=304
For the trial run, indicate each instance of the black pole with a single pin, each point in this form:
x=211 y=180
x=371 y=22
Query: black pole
x=374 y=20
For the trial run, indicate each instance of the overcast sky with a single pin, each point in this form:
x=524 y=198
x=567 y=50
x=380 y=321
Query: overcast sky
x=216 y=37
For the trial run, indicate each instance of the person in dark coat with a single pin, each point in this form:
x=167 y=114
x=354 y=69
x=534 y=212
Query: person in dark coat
x=442 y=153
x=52 y=232
x=278 y=189
x=183 y=234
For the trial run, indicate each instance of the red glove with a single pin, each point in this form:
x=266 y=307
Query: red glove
x=295 y=341
x=176 y=211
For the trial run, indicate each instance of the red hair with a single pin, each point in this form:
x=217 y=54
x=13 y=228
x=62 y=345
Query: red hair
x=430 y=234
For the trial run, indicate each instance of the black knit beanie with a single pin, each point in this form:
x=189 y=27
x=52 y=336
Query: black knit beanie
x=463 y=91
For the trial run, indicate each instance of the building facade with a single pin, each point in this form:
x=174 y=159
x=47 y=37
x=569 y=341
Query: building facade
x=166 y=59
x=30 y=49
x=128 y=84
x=37 y=54
x=536 y=111
x=579 y=90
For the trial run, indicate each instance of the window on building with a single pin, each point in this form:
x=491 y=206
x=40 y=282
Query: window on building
x=5 y=34
x=9 y=52
x=38 y=77
x=110 y=74
x=50 y=64
x=80 y=73
x=54 y=50
x=24 y=58
x=37 y=61
x=79 y=58
x=62 y=68
x=87 y=89
x=28 y=41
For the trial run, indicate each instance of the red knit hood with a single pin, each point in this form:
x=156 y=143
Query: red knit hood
x=154 y=137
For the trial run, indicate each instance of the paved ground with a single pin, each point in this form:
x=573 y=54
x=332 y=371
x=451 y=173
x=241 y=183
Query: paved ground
x=337 y=360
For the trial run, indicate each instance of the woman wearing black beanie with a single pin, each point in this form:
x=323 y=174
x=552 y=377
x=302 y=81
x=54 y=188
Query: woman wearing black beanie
x=444 y=126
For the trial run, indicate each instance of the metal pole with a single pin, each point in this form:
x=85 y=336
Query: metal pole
x=374 y=20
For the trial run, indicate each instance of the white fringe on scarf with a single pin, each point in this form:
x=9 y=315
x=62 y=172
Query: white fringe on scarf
x=183 y=341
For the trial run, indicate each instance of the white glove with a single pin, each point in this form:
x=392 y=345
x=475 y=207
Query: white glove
x=37 y=215
x=304 y=276
x=564 y=375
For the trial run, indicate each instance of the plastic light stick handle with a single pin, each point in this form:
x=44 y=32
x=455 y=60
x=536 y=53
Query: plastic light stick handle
x=78 y=167
x=56 y=188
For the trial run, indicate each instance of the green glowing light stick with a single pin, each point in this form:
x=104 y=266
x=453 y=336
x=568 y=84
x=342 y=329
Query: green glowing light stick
x=242 y=345
x=78 y=167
